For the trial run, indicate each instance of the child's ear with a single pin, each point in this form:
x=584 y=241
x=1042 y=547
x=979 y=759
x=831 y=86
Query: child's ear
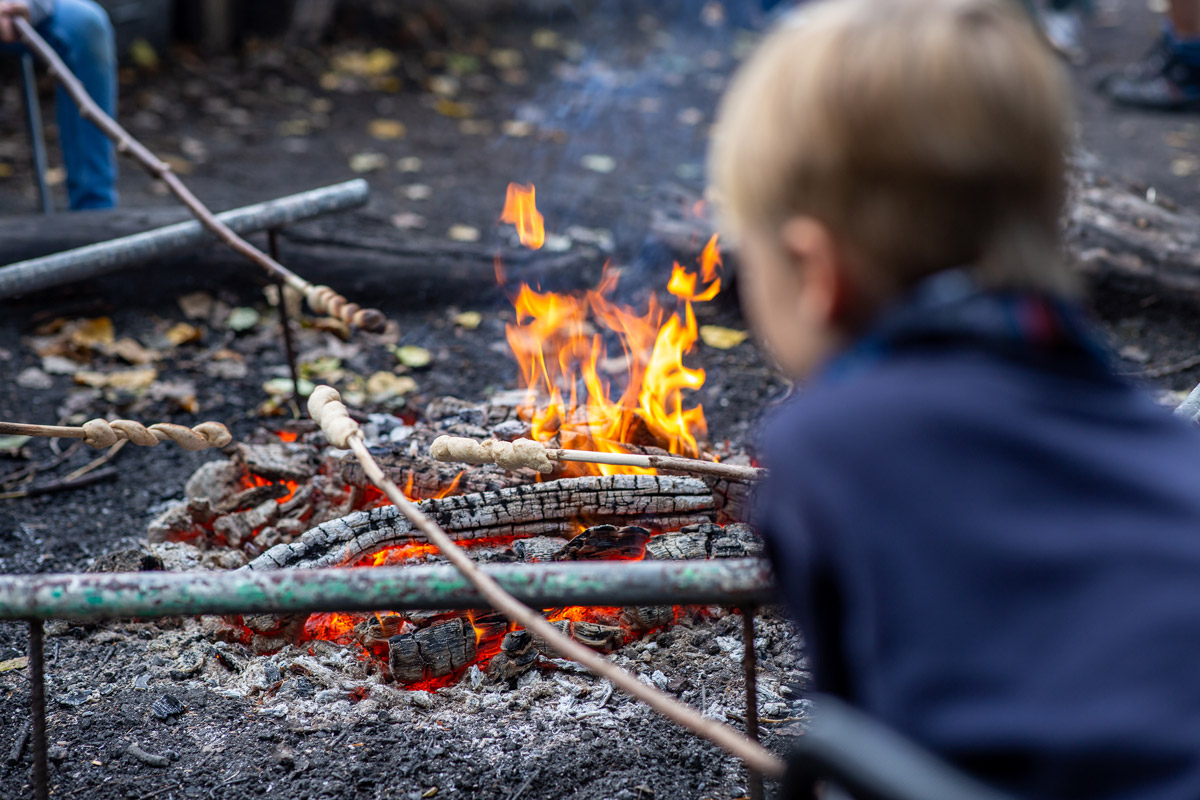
x=828 y=295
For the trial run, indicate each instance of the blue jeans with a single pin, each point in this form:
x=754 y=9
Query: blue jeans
x=81 y=34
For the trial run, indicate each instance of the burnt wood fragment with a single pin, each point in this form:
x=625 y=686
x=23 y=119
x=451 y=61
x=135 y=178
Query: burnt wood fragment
x=606 y=542
x=433 y=652
x=517 y=654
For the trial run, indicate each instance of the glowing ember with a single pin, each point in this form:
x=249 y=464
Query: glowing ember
x=521 y=210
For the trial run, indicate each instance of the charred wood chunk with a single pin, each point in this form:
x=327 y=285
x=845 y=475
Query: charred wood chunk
x=380 y=628
x=606 y=542
x=517 y=654
x=538 y=548
x=173 y=524
x=647 y=618
x=677 y=545
x=132 y=560
x=275 y=625
x=604 y=638
x=214 y=481
x=736 y=541
x=249 y=498
x=432 y=652
x=278 y=461
x=489 y=627
x=240 y=526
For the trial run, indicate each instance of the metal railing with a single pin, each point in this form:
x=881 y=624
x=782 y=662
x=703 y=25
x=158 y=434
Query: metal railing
x=739 y=583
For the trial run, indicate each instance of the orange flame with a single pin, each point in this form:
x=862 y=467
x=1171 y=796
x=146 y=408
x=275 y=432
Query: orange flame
x=521 y=210
x=559 y=341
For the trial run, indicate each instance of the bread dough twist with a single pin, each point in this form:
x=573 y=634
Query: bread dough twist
x=102 y=433
x=327 y=410
x=510 y=455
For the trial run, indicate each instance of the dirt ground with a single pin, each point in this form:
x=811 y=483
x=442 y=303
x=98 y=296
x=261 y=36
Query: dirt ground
x=599 y=111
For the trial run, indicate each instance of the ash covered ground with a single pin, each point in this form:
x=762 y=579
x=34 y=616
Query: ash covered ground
x=601 y=112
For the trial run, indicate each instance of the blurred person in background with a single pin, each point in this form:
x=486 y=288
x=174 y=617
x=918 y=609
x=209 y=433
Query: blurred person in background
x=1168 y=78
x=81 y=34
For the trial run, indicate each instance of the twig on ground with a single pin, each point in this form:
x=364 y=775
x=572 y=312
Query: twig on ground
x=326 y=408
x=97 y=476
x=322 y=299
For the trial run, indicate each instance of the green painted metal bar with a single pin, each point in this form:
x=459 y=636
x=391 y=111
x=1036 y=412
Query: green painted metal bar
x=733 y=582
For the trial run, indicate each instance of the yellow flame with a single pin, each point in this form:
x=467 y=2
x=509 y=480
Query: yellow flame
x=520 y=209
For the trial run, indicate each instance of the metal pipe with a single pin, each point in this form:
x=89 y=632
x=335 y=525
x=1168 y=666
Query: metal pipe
x=33 y=115
x=750 y=665
x=105 y=257
x=732 y=582
x=37 y=703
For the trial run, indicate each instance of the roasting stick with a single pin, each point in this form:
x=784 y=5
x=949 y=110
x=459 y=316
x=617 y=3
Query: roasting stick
x=322 y=299
x=326 y=408
x=531 y=454
x=102 y=433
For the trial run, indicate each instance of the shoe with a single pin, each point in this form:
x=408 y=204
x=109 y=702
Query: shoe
x=1160 y=81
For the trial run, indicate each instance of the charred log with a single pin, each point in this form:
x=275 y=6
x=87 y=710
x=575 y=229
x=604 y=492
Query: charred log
x=603 y=542
x=433 y=652
x=529 y=510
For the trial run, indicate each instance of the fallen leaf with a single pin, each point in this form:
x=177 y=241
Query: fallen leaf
x=475 y=127
x=57 y=365
x=412 y=356
x=21 y=662
x=133 y=352
x=452 y=109
x=463 y=233
x=383 y=386
x=321 y=368
x=10 y=445
x=462 y=63
x=386 y=129
x=196 y=305
x=367 y=162
x=1183 y=167
x=142 y=53
x=181 y=393
x=408 y=164
x=132 y=379
x=282 y=387
x=183 y=333
x=545 y=39
x=408 y=221
x=722 y=338
x=92 y=332
x=242 y=318
x=468 y=319
x=598 y=163
x=34 y=378
x=417 y=191
x=505 y=58
x=444 y=85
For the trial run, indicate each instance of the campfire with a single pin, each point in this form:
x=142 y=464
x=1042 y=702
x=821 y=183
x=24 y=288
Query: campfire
x=598 y=376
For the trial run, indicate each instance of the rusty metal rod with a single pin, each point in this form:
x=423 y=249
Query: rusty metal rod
x=732 y=582
x=750 y=665
x=321 y=299
x=37 y=707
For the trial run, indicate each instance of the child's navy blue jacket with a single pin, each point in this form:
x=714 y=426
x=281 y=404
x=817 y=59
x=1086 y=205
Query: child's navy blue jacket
x=992 y=544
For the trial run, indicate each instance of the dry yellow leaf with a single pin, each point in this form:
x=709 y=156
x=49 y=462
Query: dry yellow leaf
x=93 y=332
x=386 y=129
x=384 y=386
x=132 y=379
x=468 y=319
x=132 y=351
x=183 y=333
x=449 y=108
x=722 y=338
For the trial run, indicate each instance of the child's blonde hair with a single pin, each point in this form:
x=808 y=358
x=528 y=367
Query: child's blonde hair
x=926 y=134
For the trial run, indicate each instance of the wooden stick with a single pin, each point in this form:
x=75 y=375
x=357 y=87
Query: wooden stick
x=326 y=408
x=322 y=299
x=102 y=433
x=531 y=454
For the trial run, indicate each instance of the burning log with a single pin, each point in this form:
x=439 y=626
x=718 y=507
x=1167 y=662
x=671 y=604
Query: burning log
x=605 y=542
x=517 y=655
x=537 y=509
